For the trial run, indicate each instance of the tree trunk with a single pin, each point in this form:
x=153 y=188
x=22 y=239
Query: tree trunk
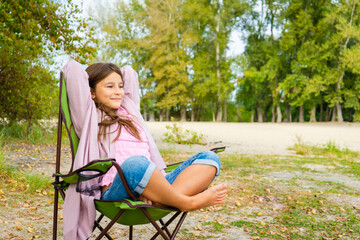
x=278 y=113
x=273 y=114
x=152 y=117
x=213 y=116
x=225 y=111
x=183 y=113
x=145 y=114
x=265 y=114
x=219 y=113
x=161 y=115
x=260 y=114
x=301 y=113
x=287 y=112
x=28 y=129
x=339 y=112
x=327 y=114
x=333 y=118
x=252 y=118
x=321 y=112
x=167 y=115
x=238 y=113
x=313 y=114
x=192 y=115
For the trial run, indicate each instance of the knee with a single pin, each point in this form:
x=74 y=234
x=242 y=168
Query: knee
x=135 y=164
x=211 y=156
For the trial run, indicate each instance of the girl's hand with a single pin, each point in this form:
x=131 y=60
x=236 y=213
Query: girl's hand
x=144 y=199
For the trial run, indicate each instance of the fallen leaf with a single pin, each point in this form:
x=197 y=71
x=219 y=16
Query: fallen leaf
x=10 y=235
x=18 y=227
x=198 y=227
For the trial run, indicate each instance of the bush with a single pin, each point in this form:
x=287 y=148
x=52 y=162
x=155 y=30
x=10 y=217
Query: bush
x=177 y=135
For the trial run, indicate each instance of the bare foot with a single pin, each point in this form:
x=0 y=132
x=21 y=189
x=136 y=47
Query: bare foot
x=211 y=196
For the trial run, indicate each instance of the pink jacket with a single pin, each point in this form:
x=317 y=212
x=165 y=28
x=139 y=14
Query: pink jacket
x=79 y=210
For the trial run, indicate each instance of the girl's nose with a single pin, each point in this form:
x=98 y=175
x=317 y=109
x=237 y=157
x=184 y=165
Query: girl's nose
x=118 y=90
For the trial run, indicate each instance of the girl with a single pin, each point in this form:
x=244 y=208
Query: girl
x=107 y=119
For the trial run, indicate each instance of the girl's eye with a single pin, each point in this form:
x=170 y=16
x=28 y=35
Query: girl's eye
x=109 y=86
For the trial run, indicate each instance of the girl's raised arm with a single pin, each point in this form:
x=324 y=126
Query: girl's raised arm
x=131 y=85
x=78 y=91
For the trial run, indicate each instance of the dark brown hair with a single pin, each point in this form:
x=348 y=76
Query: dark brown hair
x=97 y=72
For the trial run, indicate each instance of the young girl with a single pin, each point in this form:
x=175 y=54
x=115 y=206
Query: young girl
x=107 y=119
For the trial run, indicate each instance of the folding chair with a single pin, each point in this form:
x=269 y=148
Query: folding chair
x=128 y=212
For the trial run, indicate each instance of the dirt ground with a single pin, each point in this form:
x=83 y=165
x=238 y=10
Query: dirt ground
x=263 y=138
x=25 y=219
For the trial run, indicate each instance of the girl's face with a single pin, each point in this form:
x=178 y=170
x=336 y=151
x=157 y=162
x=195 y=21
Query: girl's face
x=109 y=91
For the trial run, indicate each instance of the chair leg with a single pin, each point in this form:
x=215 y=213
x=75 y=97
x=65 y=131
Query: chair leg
x=177 y=228
x=55 y=219
x=160 y=231
x=165 y=228
x=131 y=232
x=111 y=223
x=97 y=225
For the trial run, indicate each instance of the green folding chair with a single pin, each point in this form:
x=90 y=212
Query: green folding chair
x=128 y=212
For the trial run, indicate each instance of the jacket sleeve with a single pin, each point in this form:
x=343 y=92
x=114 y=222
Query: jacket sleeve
x=78 y=90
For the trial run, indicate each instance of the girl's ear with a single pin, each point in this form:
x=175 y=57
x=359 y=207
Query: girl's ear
x=92 y=93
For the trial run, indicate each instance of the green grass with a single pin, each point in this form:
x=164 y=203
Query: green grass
x=17 y=132
x=17 y=181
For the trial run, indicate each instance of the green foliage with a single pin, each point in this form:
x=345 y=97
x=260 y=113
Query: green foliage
x=177 y=135
x=40 y=133
x=32 y=33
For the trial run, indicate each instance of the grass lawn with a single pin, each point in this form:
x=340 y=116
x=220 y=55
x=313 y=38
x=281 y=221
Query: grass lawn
x=314 y=194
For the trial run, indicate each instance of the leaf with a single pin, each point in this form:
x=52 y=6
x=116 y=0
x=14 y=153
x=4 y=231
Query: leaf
x=18 y=227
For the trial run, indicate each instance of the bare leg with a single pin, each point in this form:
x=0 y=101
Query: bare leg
x=159 y=190
x=194 y=179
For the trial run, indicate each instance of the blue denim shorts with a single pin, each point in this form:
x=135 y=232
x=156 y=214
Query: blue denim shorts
x=138 y=170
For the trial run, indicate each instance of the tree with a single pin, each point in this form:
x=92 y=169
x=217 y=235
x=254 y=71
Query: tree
x=343 y=20
x=30 y=33
x=302 y=40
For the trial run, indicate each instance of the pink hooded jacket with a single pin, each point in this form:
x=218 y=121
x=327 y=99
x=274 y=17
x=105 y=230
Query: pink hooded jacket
x=79 y=210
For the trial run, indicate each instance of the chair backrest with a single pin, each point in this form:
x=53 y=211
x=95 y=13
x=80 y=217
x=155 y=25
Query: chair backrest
x=66 y=118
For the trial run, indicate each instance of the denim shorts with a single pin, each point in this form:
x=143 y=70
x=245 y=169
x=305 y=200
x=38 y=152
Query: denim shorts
x=138 y=170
